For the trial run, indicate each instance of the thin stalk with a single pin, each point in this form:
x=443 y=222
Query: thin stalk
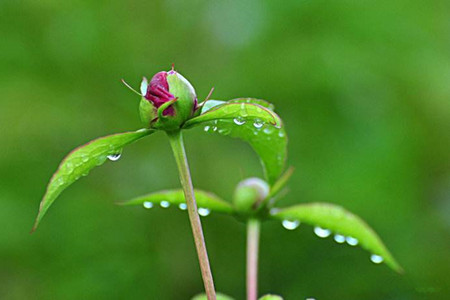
x=253 y=227
x=176 y=141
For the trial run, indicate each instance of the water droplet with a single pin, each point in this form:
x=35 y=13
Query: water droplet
x=224 y=131
x=148 y=204
x=274 y=211
x=164 y=204
x=84 y=158
x=339 y=238
x=281 y=133
x=351 y=241
x=206 y=128
x=321 y=232
x=268 y=130
x=115 y=156
x=214 y=128
x=258 y=123
x=376 y=259
x=203 y=211
x=182 y=206
x=239 y=121
x=290 y=225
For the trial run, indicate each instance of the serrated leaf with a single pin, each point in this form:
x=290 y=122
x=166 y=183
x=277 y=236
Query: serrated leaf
x=219 y=296
x=175 y=197
x=230 y=111
x=81 y=160
x=342 y=222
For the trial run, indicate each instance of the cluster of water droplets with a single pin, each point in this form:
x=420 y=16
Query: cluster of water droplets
x=324 y=233
x=182 y=206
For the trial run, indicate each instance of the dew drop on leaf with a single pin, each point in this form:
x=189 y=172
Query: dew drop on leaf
x=258 y=123
x=206 y=128
x=339 y=238
x=114 y=157
x=164 y=204
x=351 y=241
x=281 y=133
x=148 y=204
x=203 y=211
x=321 y=232
x=290 y=225
x=376 y=259
x=239 y=121
x=182 y=206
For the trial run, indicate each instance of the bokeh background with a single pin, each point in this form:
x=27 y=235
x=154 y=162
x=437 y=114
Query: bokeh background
x=363 y=88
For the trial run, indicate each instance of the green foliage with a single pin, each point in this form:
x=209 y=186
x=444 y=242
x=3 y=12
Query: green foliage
x=340 y=221
x=244 y=111
x=80 y=161
x=176 y=197
x=268 y=141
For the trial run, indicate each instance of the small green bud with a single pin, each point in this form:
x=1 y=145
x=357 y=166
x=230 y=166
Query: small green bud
x=271 y=297
x=249 y=194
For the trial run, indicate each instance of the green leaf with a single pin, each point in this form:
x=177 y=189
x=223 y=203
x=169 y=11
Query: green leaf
x=81 y=160
x=341 y=222
x=176 y=197
x=268 y=141
x=230 y=111
x=219 y=296
x=261 y=102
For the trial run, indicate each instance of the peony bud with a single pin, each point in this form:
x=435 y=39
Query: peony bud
x=172 y=98
x=249 y=194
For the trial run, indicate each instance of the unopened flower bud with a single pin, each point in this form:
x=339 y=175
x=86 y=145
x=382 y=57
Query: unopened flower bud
x=172 y=97
x=249 y=194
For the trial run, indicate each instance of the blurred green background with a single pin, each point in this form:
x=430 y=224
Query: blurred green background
x=363 y=88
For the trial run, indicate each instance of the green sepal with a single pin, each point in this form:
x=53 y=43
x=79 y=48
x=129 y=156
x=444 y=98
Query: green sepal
x=147 y=112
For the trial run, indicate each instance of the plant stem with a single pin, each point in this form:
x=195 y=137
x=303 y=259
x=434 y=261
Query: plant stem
x=253 y=226
x=176 y=141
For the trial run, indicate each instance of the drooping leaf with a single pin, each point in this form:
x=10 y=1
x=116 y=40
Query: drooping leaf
x=343 y=223
x=268 y=141
x=230 y=111
x=219 y=296
x=175 y=197
x=81 y=160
